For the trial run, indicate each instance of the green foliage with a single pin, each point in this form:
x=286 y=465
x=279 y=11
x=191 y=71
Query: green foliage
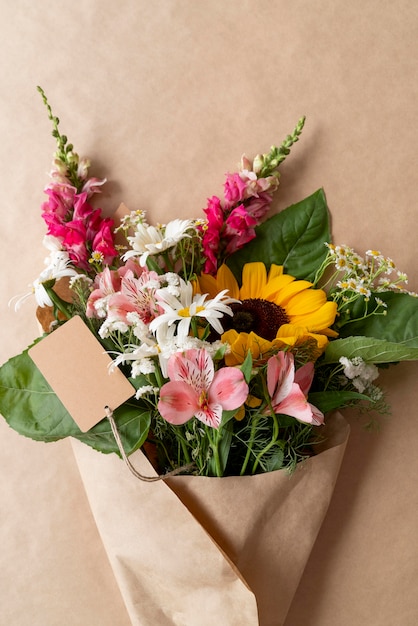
x=398 y=325
x=31 y=408
x=294 y=238
x=370 y=350
x=271 y=161
x=327 y=401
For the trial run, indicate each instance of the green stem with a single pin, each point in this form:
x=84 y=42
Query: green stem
x=250 y=444
x=269 y=445
x=184 y=450
x=214 y=445
x=60 y=304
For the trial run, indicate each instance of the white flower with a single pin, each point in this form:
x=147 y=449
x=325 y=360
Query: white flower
x=140 y=357
x=146 y=390
x=360 y=373
x=110 y=326
x=183 y=308
x=58 y=265
x=155 y=239
x=144 y=366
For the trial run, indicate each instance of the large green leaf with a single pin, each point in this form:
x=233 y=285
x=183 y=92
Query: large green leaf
x=327 y=401
x=31 y=408
x=398 y=325
x=294 y=238
x=369 y=349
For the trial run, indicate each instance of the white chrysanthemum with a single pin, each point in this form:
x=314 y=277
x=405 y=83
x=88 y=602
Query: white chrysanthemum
x=185 y=307
x=155 y=239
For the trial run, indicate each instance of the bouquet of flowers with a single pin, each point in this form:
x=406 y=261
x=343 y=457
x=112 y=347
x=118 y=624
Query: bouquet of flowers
x=239 y=334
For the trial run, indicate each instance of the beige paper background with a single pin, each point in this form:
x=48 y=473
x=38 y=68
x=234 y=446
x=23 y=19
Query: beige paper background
x=164 y=97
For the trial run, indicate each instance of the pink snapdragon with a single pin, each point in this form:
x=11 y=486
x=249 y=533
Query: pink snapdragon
x=231 y=221
x=195 y=389
x=289 y=389
x=234 y=189
x=79 y=227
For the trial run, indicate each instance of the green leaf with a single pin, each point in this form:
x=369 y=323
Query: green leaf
x=274 y=460
x=369 y=349
x=247 y=366
x=30 y=407
x=399 y=325
x=294 y=238
x=223 y=440
x=327 y=401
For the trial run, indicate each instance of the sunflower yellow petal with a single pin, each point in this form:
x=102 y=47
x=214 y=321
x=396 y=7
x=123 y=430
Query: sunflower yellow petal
x=273 y=289
x=254 y=279
x=305 y=303
x=318 y=320
x=208 y=284
x=296 y=335
x=292 y=289
x=274 y=271
x=226 y=280
x=241 y=344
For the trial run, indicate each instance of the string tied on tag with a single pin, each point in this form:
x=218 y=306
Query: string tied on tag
x=148 y=479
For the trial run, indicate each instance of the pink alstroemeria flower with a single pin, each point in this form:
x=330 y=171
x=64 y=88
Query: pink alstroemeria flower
x=289 y=389
x=195 y=389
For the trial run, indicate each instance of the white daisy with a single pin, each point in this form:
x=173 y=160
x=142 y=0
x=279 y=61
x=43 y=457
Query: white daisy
x=185 y=307
x=155 y=239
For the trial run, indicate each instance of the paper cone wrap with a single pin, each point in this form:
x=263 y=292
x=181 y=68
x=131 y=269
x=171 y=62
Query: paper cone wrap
x=194 y=550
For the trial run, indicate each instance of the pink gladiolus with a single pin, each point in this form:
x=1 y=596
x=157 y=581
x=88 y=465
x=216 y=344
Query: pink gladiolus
x=195 y=389
x=288 y=389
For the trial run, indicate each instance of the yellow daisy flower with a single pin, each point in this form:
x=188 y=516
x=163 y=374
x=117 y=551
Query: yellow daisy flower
x=275 y=310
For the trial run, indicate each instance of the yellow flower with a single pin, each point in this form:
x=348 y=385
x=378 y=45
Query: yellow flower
x=275 y=310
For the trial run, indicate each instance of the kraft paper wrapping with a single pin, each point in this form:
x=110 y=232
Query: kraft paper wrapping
x=196 y=550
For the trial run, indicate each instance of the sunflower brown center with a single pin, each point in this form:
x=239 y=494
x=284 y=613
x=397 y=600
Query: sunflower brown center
x=259 y=316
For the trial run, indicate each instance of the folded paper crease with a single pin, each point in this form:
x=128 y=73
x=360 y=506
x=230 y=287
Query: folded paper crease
x=230 y=549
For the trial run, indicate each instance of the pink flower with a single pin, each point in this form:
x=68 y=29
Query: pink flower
x=239 y=221
x=141 y=294
x=107 y=283
x=212 y=234
x=258 y=206
x=234 y=188
x=103 y=241
x=79 y=227
x=288 y=389
x=195 y=389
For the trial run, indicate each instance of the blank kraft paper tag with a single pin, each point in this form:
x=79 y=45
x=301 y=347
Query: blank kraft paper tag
x=76 y=366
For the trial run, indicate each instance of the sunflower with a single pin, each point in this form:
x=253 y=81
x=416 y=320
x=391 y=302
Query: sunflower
x=275 y=311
